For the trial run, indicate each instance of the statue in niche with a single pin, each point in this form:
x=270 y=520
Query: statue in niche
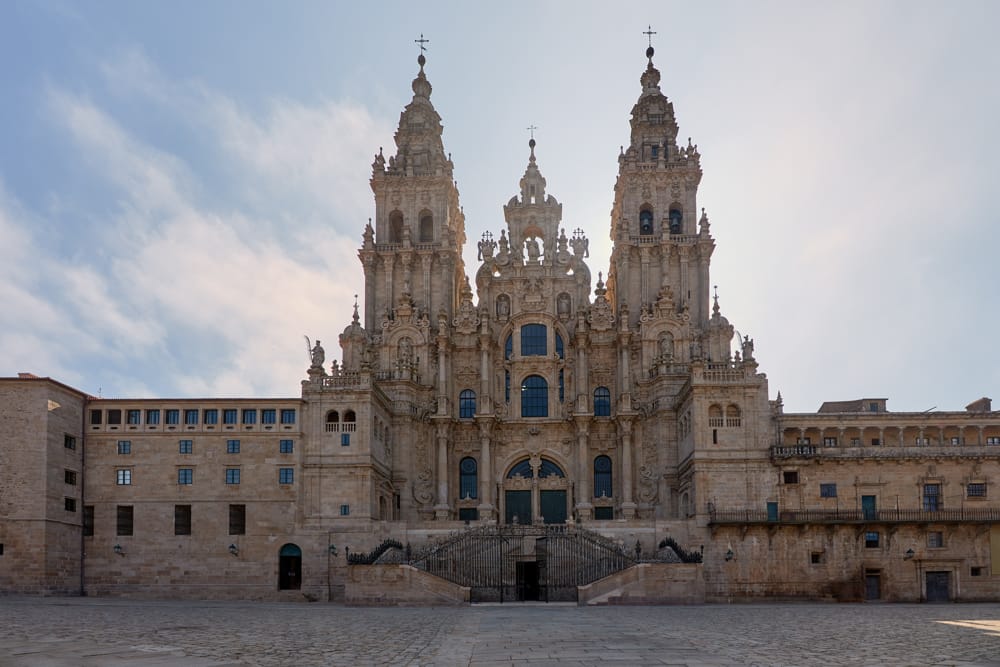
x=318 y=355
x=667 y=346
x=405 y=350
x=533 y=250
x=563 y=305
x=503 y=307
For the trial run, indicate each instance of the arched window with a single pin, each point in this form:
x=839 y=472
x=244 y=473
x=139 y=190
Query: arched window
x=468 y=478
x=562 y=386
x=534 y=340
x=395 y=227
x=602 y=402
x=508 y=347
x=506 y=386
x=426 y=227
x=521 y=469
x=349 y=416
x=714 y=415
x=676 y=220
x=560 y=350
x=467 y=404
x=534 y=397
x=732 y=415
x=549 y=469
x=332 y=417
x=646 y=221
x=602 y=477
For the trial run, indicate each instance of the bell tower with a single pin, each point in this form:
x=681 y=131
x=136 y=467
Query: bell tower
x=660 y=246
x=413 y=254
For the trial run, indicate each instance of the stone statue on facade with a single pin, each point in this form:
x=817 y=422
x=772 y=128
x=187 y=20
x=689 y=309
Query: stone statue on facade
x=533 y=250
x=318 y=355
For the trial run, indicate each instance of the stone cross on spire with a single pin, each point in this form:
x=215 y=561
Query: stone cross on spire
x=648 y=32
x=421 y=42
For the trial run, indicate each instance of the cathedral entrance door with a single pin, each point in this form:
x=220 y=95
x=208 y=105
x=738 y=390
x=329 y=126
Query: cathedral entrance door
x=553 y=504
x=527 y=580
x=518 y=504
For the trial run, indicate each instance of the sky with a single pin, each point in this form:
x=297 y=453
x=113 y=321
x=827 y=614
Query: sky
x=184 y=185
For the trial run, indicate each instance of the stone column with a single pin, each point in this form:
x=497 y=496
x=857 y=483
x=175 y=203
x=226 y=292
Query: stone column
x=485 y=470
x=441 y=510
x=584 y=508
x=536 y=499
x=628 y=506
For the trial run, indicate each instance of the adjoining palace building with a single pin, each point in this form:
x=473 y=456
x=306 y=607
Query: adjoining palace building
x=616 y=408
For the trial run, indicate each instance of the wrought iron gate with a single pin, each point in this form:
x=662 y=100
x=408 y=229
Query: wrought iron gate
x=507 y=563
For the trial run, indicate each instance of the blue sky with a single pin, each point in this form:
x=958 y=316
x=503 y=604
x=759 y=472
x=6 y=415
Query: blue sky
x=183 y=185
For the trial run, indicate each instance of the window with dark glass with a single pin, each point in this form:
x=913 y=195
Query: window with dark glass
x=69 y=477
x=508 y=350
x=124 y=446
x=237 y=519
x=602 y=402
x=562 y=386
x=286 y=475
x=871 y=540
x=210 y=417
x=548 y=468
x=827 y=490
x=249 y=416
x=185 y=446
x=133 y=417
x=95 y=416
x=468 y=477
x=534 y=397
x=976 y=489
x=467 y=404
x=232 y=446
x=229 y=416
x=285 y=446
x=114 y=416
x=506 y=386
x=426 y=228
x=602 y=477
x=88 y=520
x=232 y=475
x=190 y=417
x=152 y=417
x=559 y=346
x=69 y=504
x=173 y=416
x=124 y=520
x=534 y=340
x=269 y=416
x=349 y=416
x=345 y=439
x=69 y=442
x=287 y=416
x=185 y=476
x=932 y=497
x=182 y=519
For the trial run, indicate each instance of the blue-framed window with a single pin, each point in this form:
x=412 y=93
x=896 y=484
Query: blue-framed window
x=124 y=446
x=521 y=469
x=152 y=417
x=534 y=397
x=285 y=446
x=190 y=417
x=549 y=469
x=229 y=416
x=468 y=478
x=185 y=476
x=269 y=416
x=133 y=417
x=210 y=417
x=602 y=477
x=534 y=340
x=286 y=475
x=602 y=402
x=827 y=490
x=249 y=416
x=287 y=416
x=185 y=446
x=173 y=416
x=232 y=446
x=467 y=404
x=345 y=439
x=232 y=475
x=345 y=510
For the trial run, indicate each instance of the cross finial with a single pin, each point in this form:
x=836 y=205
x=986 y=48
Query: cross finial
x=421 y=42
x=531 y=129
x=648 y=32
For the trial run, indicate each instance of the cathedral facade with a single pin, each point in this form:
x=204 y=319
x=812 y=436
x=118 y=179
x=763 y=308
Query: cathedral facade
x=535 y=393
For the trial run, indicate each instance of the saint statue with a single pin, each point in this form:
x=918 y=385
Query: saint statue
x=318 y=355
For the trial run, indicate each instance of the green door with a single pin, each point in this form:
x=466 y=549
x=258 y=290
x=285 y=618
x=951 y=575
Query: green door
x=518 y=504
x=553 y=506
x=868 y=508
x=772 y=511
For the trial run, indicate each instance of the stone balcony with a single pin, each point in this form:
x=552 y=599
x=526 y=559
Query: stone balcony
x=743 y=517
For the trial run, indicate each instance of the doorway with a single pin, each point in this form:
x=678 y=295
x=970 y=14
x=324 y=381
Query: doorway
x=290 y=568
x=873 y=585
x=868 y=511
x=938 y=586
x=553 y=506
x=527 y=581
x=518 y=507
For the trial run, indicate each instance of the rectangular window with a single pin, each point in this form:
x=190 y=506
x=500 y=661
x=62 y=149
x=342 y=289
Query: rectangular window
x=232 y=446
x=69 y=504
x=345 y=510
x=286 y=475
x=993 y=440
x=829 y=442
x=185 y=446
x=173 y=417
x=285 y=447
x=185 y=476
x=827 y=490
x=956 y=441
x=95 y=417
x=855 y=442
x=604 y=513
x=468 y=514
x=976 y=571
x=921 y=442
x=124 y=477
x=152 y=417
x=182 y=519
x=871 y=540
x=249 y=416
x=229 y=416
x=133 y=417
x=114 y=416
x=288 y=416
x=932 y=497
x=232 y=475
x=873 y=407
x=816 y=557
x=124 y=522
x=534 y=340
x=210 y=417
x=935 y=539
x=876 y=442
x=803 y=441
x=69 y=442
x=237 y=519
x=124 y=446
x=88 y=520
x=790 y=476
x=190 y=417
x=976 y=490
x=69 y=476
x=345 y=439
x=269 y=416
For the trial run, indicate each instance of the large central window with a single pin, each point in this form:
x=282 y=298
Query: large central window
x=534 y=339
x=534 y=397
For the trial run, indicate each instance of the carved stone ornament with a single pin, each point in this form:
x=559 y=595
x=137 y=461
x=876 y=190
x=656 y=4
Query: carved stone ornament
x=467 y=320
x=601 y=317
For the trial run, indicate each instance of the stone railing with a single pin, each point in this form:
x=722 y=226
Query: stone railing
x=854 y=516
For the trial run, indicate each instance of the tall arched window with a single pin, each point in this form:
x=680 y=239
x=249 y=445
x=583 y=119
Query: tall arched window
x=426 y=227
x=332 y=417
x=676 y=221
x=560 y=350
x=468 y=478
x=467 y=404
x=602 y=477
x=646 y=221
x=534 y=340
x=395 y=227
x=602 y=402
x=508 y=347
x=534 y=397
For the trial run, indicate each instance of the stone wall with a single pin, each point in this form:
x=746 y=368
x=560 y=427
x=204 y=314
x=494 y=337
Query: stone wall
x=648 y=583
x=388 y=585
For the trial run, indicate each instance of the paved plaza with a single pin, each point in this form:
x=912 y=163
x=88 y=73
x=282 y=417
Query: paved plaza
x=75 y=632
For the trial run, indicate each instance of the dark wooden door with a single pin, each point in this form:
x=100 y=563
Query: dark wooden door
x=873 y=587
x=553 y=506
x=868 y=510
x=518 y=504
x=938 y=584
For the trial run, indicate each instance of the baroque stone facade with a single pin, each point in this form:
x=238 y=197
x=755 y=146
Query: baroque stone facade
x=534 y=394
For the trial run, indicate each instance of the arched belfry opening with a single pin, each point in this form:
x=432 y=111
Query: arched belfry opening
x=646 y=226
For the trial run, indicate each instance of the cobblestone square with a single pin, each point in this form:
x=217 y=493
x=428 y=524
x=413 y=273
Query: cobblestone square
x=64 y=632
